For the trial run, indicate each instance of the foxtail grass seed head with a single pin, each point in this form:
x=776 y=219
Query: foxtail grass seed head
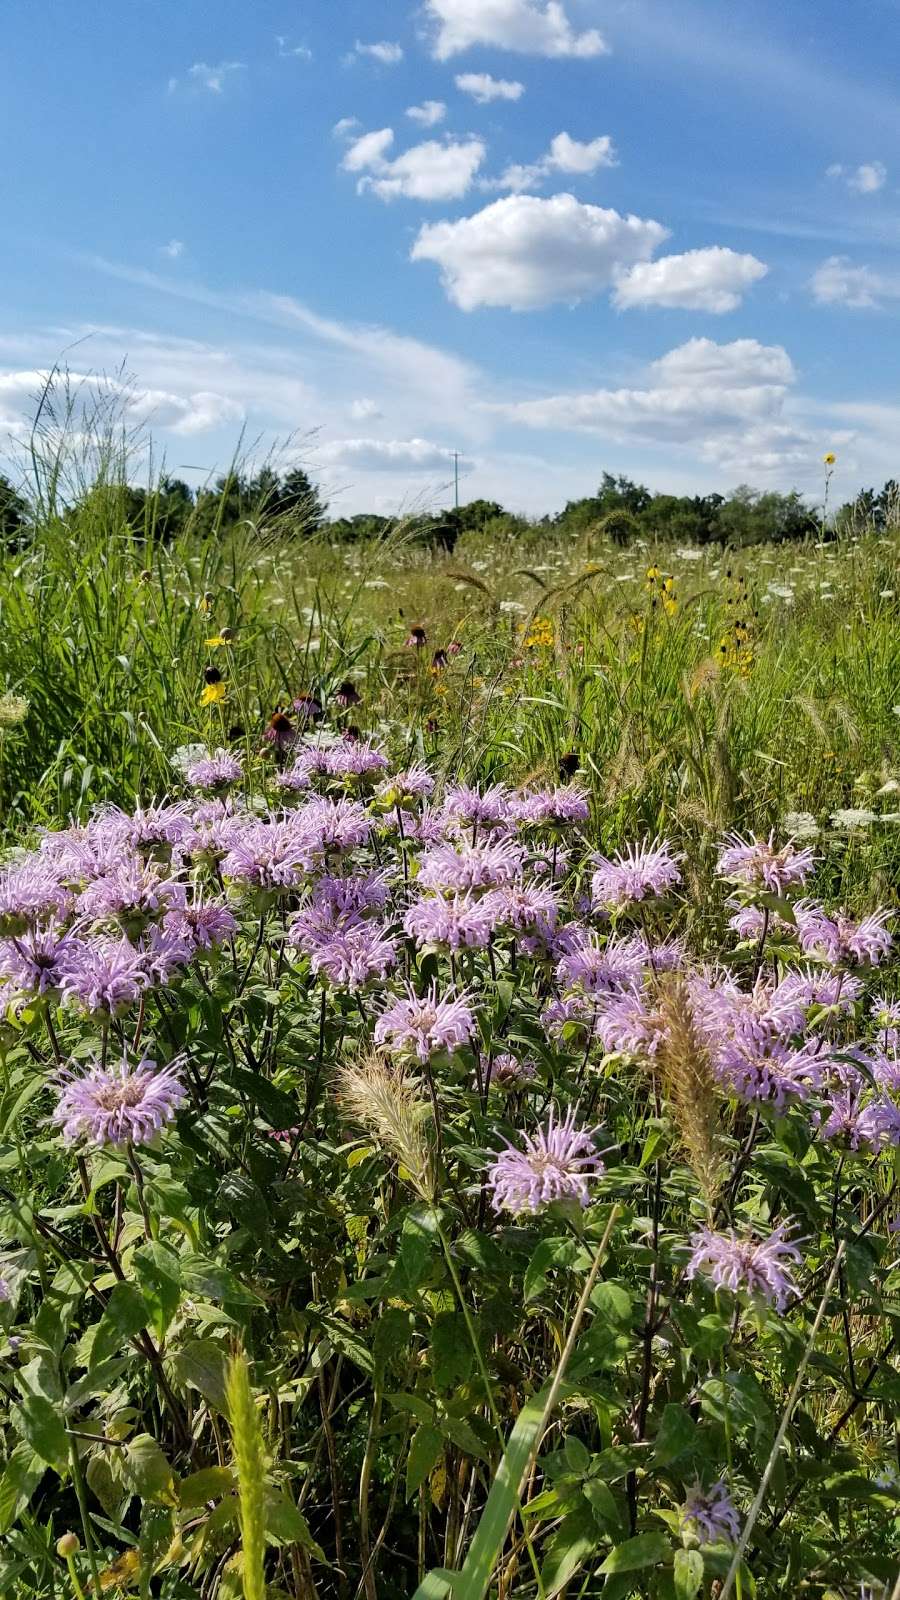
x=250 y=1465
x=386 y=1100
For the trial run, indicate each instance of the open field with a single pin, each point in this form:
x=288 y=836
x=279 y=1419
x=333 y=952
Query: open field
x=437 y=1156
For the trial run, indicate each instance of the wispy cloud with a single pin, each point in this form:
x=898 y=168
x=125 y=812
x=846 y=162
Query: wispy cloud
x=384 y=51
x=173 y=249
x=300 y=52
x=212 y=79
x=867 y=178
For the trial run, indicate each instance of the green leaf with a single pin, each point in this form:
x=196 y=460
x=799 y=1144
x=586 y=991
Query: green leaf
x=146 y=1470
x=557 y=1252
x=688 y=1574
x=206 y=1280
x=613 y=1302
x=677 y=1433
x=418 y=1242
x=125 y=1315
x=200 y=1364
x=424 y=1452
x=210 y=1483
x=451 y=1350
x=574 y=1540
x=20 y=1477
x=40 y=1413
x=646 y=1550
x=602 y=1502
x=289 y=1526
x=158 y=1275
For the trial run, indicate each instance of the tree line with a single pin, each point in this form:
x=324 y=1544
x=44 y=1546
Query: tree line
x=621 y=508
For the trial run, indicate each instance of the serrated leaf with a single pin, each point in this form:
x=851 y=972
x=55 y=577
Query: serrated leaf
x=425 y=1448
x=147 y=1471
x=645 y=1550
x=126 y=1313
x=159 y=1278
x=39 y=1413
x=20 y=1477
x=210 y=1483
x=687 y=1574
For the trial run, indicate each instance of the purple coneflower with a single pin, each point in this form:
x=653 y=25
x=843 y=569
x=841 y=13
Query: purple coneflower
x=756 y=864
x=710 y=1514
x=308 y=708
x=347 y=695
x=420 y=1026
x=557 y=1163
x=216 y=771
x=759 y=1269
x=118 y=1105
x=638 y=873
x=416 y=638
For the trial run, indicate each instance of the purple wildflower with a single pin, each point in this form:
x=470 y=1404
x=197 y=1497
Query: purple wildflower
x=758 y=1269
x=885 y=1018
x=355 y=761
x=627 y=1024
x=118 y=1105
x=601 y=969
x=131 y=893
x=560 y=806
x=748 y=922
x=203 y=924
x=558 y=1014
x=473 y=866
x=769 y=1072
x=30 y=890
x=756 y=864
x=460 y=922
x=509 y=1074
x=104 y=974
x=640 y=872
x=472 y=808
x=531 y=908
x=556 y=1164
x=328 y=827
x=710 y=1514
x=216 y=771
x=414 y=783
x=420 y=1026
x=841 y=941
x=34 y=959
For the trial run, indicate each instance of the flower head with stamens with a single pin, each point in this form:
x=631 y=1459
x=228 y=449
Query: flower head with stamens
x=640 y=872
x=420 y=1026
x=755 y=864
x=760 y=1269
x=118 y=1105
x=557 y=1163
x=710 y=1514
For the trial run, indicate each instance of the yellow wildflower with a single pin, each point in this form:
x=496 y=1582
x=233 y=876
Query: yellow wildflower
x=213 y=694
x=830 y=458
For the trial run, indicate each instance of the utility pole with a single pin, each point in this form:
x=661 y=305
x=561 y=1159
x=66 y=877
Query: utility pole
x=456 y=479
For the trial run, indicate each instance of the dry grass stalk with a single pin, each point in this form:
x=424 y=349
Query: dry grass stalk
x=689 y=1086
x=388 y=1101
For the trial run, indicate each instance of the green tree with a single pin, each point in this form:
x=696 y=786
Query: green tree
x=15 y=516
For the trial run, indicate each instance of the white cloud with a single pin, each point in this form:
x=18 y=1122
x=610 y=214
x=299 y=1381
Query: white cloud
x=386 y=455
x=524 y=252
x=429 y=171
x=700 y=280
x=212 y=78
x=729 y=397
x=300 y=51
x=364 y=410
x=185 y=414
x=369 y=150
x=865 y=179
x=382 y=50
x=173 y=249
x=345 y=127
x=428 y=114
x=533 y=27
x=838 y=282
x=483 y=88
x=566 y=154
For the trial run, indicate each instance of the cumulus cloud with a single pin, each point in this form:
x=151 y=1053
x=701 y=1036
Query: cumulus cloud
x=730 y=397
x=867 y=178
x=211 y=78
x=532 y=27
x=839 y=282
x=386 y=455
x=197 y=412
x=428 y=114
x=523 y=252
x=364 y=410
x=567 y=155
x=483 y=88
x=713 y=280
x=382 y=50
x=428 y=171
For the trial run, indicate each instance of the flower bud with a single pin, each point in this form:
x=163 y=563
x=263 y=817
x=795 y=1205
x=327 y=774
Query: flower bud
x=68 y=1545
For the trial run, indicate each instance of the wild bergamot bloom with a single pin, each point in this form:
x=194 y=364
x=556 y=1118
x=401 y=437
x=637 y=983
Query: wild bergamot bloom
x=557 y=1163
x=118 y=1105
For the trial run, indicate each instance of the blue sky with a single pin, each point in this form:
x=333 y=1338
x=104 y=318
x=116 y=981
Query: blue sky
x=654 y=236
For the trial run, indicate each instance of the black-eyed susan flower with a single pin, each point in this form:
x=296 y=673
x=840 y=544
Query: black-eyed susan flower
x=829 y=458
x=214 y=690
